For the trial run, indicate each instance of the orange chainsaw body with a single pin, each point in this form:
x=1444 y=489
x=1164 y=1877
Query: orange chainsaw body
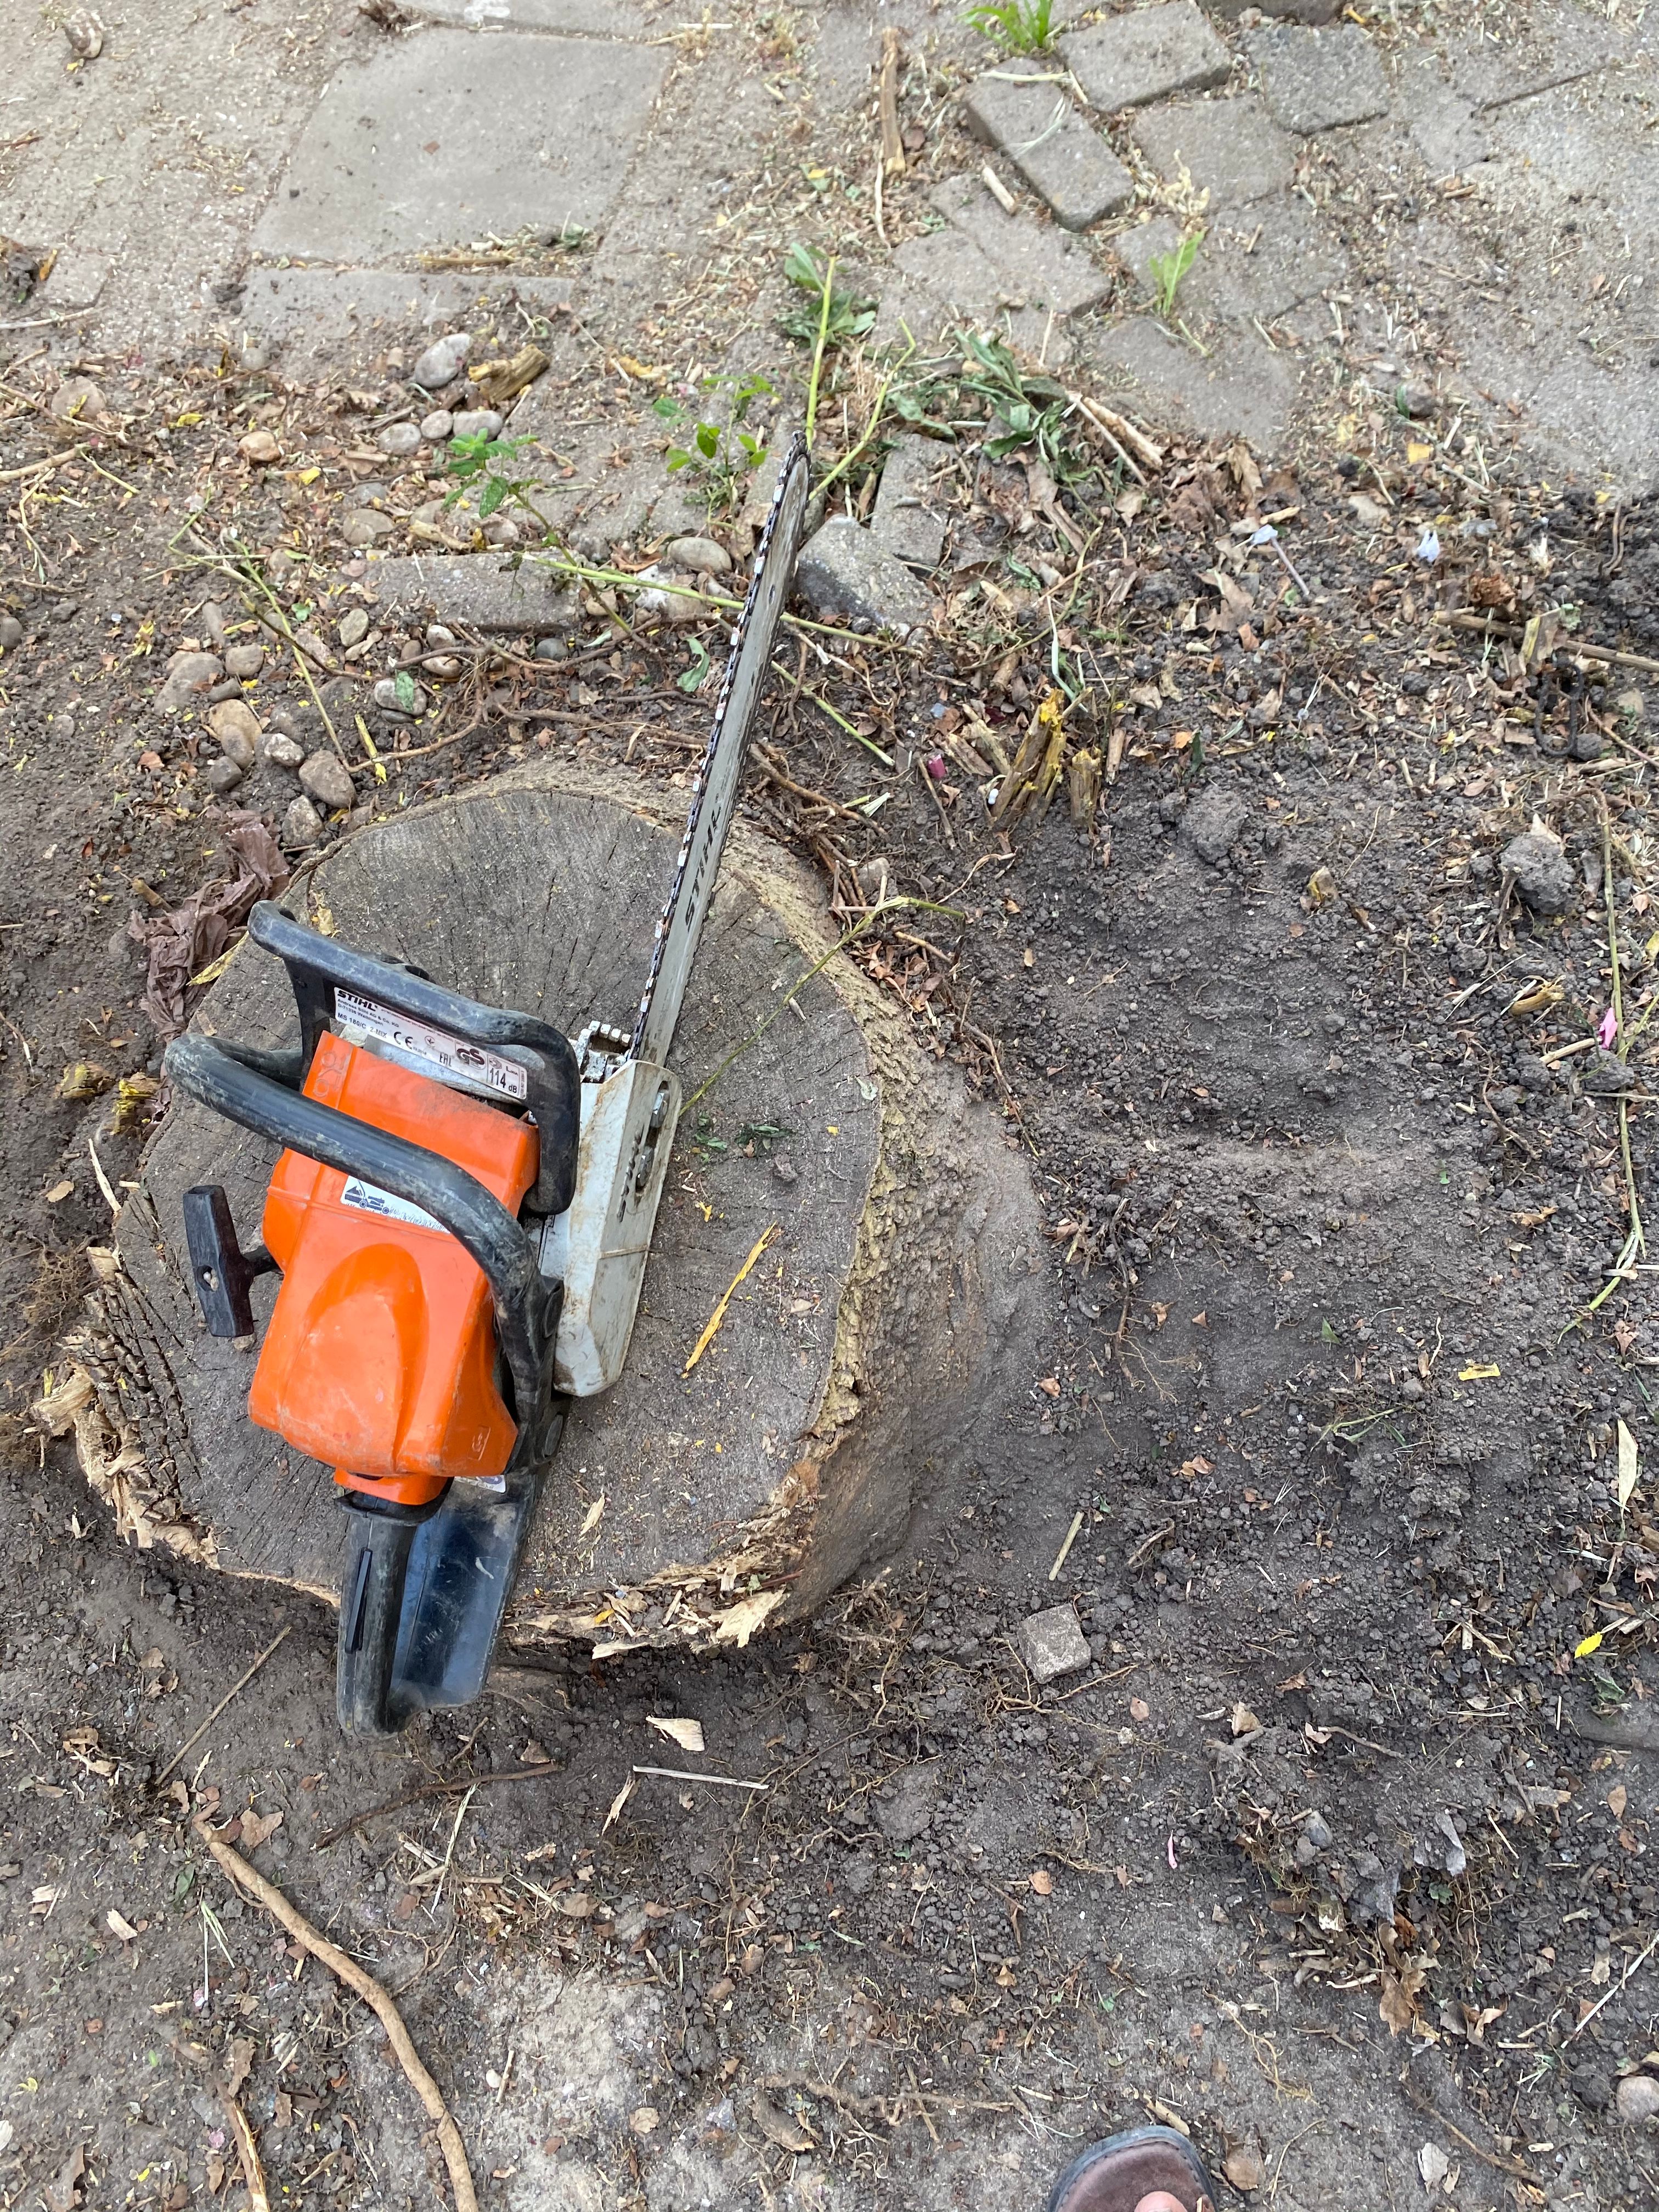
x=381 y=1349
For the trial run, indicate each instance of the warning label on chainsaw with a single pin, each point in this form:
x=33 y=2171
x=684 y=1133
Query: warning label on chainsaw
x=369 y=1198
x=452 y=1056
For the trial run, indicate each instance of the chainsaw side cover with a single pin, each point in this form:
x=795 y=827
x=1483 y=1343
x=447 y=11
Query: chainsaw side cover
x=380 y=1355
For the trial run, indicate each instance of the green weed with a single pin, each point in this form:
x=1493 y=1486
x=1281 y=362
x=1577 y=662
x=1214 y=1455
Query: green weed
x=850 y=315
x=1018 y=26
x=1167 y=269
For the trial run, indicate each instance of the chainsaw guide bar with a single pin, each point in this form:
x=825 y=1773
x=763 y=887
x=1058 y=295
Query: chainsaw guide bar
x=461 y=1213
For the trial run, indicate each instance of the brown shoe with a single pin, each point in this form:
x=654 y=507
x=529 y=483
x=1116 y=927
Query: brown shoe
x=1115 y=2175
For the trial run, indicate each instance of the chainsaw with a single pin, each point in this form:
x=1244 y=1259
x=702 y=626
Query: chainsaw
x=460 y=1216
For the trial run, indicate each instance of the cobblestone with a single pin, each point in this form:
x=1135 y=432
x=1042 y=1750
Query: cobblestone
x=1144 y=55
x=1062 y=156
x=1232 y=148
x=1317 y=80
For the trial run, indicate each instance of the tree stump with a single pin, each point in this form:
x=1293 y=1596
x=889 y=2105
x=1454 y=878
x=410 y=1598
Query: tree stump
x=683 y=1509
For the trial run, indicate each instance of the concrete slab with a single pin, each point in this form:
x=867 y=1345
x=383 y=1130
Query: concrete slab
x=1242 y=388
x=1318 y=81
x=1146 y=54
x=321 y=313
x=845 y=570
x=1147 y=242
x=1036 y=261
x=909 y=518
x=1445 y=126
x=1231 y=149
x=393 y=158
x=911 y=311
x=604 y=19
x=1286 y=11
x=478 y=589
x=1062 y=157
x=1268 y=259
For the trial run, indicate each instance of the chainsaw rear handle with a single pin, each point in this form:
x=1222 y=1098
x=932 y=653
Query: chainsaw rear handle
x=526 y=1302
x=318 y=966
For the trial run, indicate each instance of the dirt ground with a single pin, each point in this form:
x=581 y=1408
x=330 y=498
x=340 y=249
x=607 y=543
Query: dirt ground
x=1333 y=1852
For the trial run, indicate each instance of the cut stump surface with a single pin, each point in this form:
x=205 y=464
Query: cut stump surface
x=681 y=1509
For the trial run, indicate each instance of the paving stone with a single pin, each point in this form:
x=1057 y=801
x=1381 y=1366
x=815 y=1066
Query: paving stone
x=942 y=280
x=1318 y=81
x=75 y=279
x=1268 y=260
x=563 y=117
x=1146 y=54
x=843 y=570
x=1062 y=156
x=1052 y=1644
x=313 y=313
x=474 y=589
x=607 y=18
x=909 y=517
x=1231 y=149
x=1036 y=261
x=1241 y=388
x=1286 y=11
x=1442 y=120
x=1138 y=248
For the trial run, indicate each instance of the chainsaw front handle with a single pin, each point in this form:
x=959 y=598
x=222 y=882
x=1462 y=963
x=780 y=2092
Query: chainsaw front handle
x=526 y=1302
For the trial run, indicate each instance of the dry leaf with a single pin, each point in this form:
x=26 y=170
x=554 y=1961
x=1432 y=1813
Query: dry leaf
x=617 y=1804
x=241 y=2063
x=592 y=1521
x=256 y=1826
x=687 y=1733
x=65 y=2194
x=1618 y=1798
x=1140 y=1709
x=1400 y=1993
x=58 y=1192
x=1044 y=1882
x=778 y=2127
x=1433 y=2165
x=739 y=1623
x=578 y=1905
x=1244 y=1721
x=645 y=2120
x=119 y=1926
x=1243 y=2167
x=1629 y=1466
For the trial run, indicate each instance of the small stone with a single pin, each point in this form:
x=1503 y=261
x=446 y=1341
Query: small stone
x=1318 y=81
x=387 y=699
x=189 y=675
x=1146 y=55
x=437 y=426
x=1588 y=744
x=280 y=750
x=440 y=640
x=244 y=660
x=1411 y=1388
x=676 y=603
x=327 y=780
x=1052 y=1644
x=501 y=530
x=60 y=728
x=260 y=447
x=221 y=775
x=77 y=400
x=701 y=555
x=1546 y=878
x=545 y=648
x=301 y=824
x=904 y=1806
x=1606 y=1075
x=1630 y=706
x=446 y=667
x=236 y=726
x=442 y=362
x=1638 y=2100
x=1062 y=156
x=1318 y=1829
x=11 y=634
x=477 y=423
x=400 y=439
x=1211 y=825
x=366 y=525
x=785 y=1171
x=843 y=570
x=353 y=626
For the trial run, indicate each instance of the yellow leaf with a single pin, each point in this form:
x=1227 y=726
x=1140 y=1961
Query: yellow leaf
x=308 y=476
x=1629 y=1466
x=1477 y=1374
x=1618 y=1798
x=1591 y=1644
x=184 y=421
x=1417 y=451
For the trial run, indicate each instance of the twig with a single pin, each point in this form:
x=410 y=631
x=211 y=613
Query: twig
x=1640 y=1960
x=721 y=1781
x=1150 y=1543
x=711 y=1329
x=1487 y=628
x=428 y=1789
x=1071 y=1538
x=247 y=2151
x=893 y=145
x=1120 y=432
x=437 y=1873
x=834 y=714
x=234 y=1690
x=357 y=1978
